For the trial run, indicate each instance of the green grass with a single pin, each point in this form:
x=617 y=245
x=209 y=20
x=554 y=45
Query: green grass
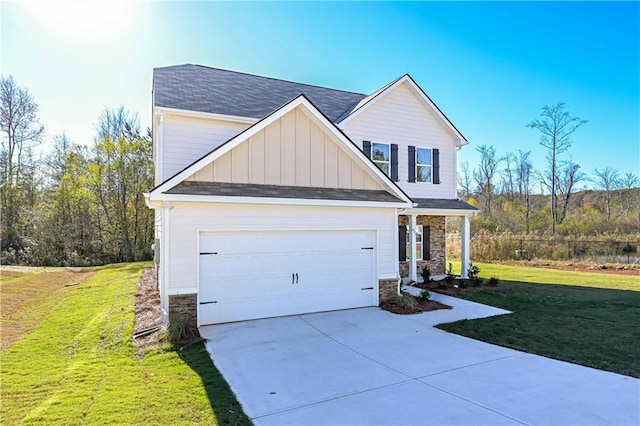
x=79 y=366
x=586 y=318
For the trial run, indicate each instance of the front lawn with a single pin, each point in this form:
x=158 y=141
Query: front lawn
x=79 y=366
x=585 y=318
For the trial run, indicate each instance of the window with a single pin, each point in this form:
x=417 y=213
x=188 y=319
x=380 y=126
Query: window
x=380 y=154
x=424 y=165
x=418 y=243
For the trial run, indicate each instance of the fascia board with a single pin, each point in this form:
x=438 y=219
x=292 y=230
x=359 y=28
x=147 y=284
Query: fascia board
x=188 y=198
x=207 y=115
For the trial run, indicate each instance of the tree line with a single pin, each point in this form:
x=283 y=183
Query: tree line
x=516 y=197
x=74 y=205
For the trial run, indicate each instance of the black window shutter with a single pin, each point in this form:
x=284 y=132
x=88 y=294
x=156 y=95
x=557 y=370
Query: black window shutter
x=436 y=166
x=366 y=147
x=412 y=163
x=402 y=243
x=394 y=162
x=426 y=243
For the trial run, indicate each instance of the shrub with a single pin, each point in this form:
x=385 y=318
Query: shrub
x=180 y=329
x=424 y=295
x=405 y=300
x=462 y=283
x=426 y=274
x=442 y=285
x=493 y=281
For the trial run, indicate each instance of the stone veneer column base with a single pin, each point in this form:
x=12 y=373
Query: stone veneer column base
x=186 y=306
x=387 y=288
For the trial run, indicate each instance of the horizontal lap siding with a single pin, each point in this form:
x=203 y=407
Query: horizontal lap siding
x=186 y=140
x=187 y=218
x=400 y=118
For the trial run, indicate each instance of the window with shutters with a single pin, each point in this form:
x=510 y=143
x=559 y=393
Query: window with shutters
x=424 y=165
x=381 y=156
x=418 y=243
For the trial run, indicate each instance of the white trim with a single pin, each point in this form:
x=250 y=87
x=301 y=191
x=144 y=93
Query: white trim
x=181 y=291
x=164 y=254
x=460 y=140
x=208 y=115
x=413 y=265
x=159 y=148
x=388 y=153
x=187 y=198
x=423 y=165
x=383 y=179
x=465 y=248
x=388 y=276
x=441 y=212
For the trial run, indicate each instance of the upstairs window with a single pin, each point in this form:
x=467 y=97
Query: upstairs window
x=380 y=154
x=424 y=165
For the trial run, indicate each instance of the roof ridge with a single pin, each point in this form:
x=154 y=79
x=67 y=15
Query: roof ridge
x=270 y=78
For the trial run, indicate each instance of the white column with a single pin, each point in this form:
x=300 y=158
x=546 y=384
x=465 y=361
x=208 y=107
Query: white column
x=465 y=245
x=413 y=264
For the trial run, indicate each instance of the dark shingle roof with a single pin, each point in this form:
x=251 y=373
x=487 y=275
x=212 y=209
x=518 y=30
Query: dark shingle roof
x=226 y=189
x=442 y=204
x=204 y=89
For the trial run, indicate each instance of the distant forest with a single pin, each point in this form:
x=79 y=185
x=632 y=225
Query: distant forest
x=77 y=205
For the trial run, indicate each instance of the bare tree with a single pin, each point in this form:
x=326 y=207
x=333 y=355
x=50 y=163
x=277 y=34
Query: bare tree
x=523 y=181
x=556 y=126
x=485 y=176
x=628 y=197
x=507 y=176
x=570 y=176
x=464 y=180
x=20 y=125
x=607 y=180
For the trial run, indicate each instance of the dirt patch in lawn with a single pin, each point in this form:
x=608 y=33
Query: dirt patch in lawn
x=147 y=328
x=28 y=300
x=630 y=269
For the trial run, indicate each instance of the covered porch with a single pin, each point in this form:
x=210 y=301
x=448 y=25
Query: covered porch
x=422 y=240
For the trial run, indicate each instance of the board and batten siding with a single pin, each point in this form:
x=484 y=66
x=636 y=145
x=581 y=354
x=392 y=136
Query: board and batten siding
x=400 y=118
x=187 y=139
x=295 y=150
x=188 y=218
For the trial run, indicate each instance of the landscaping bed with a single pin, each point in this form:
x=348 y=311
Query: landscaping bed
x=406 y=304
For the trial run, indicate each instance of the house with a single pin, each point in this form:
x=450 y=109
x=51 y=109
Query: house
x=277 y=198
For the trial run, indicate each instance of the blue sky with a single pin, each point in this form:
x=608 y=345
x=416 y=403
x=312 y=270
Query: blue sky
x=489 y=66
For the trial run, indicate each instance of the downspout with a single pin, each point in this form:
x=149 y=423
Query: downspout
x=163 y=277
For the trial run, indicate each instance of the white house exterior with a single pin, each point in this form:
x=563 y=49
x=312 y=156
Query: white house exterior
x=278 y=198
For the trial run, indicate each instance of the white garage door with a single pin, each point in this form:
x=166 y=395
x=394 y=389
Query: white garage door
x=249 y=275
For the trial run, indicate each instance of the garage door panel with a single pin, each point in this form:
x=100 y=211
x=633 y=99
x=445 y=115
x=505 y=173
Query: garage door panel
x=266 y=274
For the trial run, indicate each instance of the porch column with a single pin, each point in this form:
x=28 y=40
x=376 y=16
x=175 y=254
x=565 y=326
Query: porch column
x=413 y=264
x=465 y=246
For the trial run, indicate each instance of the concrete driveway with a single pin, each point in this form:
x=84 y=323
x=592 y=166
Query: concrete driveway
x=370 y=367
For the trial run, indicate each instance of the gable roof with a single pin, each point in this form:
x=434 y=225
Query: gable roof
x=300 y=100
x=368 y=101
x=213 y=90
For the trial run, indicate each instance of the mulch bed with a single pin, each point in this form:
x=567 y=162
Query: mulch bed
x=422 y=306
x=147 y=310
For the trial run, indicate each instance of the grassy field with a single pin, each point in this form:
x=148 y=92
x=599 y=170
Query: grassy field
x=78 y=364
x=586 y=318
